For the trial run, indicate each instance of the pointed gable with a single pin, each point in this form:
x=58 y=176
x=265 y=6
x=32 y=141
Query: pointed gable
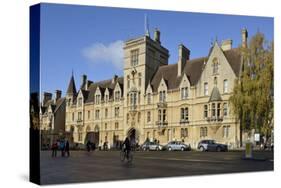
x=215 y=95
x=71 y=90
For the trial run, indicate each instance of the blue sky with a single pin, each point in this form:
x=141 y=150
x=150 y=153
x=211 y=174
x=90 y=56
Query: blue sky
x=88 y=39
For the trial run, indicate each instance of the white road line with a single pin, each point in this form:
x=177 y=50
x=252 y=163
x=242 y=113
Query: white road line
x=188 y=160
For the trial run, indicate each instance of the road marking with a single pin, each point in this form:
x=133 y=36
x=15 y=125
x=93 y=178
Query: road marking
x=187 y=160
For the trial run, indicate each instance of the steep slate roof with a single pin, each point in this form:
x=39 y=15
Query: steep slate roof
x=103 y=85
x=59 y=102
x=169 y=74
x=215 y=95
x=234 y=58
x=193 y=69
x=71 y=86
x=54 y=105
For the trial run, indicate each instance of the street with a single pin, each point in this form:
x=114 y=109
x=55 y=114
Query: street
x=82 y=166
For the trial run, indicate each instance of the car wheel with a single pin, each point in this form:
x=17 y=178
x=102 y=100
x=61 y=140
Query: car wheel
x=182 y=149
x=218 y=149
x=201 y=148
x=170 y=149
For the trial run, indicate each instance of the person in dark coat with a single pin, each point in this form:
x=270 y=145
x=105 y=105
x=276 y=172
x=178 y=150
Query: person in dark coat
x=62 y=147
x=127 y=147
x=88 y=145
x=54 y=149
x=67 y=148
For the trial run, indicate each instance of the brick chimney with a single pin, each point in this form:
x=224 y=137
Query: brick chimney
x=83 y=81
x=244 y=37
x=184 y=54
x=46 y=97
x=57 y=94
x=114 y=79
x=226 y=45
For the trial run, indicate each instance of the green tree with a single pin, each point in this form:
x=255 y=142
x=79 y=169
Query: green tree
x=252 y=99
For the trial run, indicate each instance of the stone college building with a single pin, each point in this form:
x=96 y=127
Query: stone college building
x=186 y=101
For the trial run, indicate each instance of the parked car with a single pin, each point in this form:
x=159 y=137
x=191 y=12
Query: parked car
x=211 y=145
x=151 y=146
x=177 y=145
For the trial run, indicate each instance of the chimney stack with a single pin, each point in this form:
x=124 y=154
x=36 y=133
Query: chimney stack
x=58 y=94
x=83 y=80
x=184 y=54
x=114 y=79
x=47 y=96
x=244 y=37
x=226 y=45
x=157 y=36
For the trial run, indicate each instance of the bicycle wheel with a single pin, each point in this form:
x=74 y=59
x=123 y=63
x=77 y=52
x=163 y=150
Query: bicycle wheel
x=130 y=157
x=122 y=155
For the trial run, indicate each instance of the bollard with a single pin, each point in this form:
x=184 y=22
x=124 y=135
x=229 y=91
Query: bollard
x=248 y=151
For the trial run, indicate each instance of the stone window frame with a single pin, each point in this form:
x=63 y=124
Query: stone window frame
x=134 y=57
x=225 y=86
x=184 y=93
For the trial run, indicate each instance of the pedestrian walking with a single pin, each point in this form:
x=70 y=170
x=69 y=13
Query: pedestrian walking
x=54 y=149
x=67 y=148
x=88 y=145
x=62 y=146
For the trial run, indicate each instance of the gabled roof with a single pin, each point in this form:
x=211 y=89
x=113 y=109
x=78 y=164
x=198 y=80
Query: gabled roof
x=103 y=85
x=169 y=74
x=59 y=102
x=193 y=70
x=71 y=90
x=54 y=105
x=233 y=56
x=215 y=95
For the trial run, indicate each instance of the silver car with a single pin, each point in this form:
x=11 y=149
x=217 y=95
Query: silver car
x=177 y=145
x=151 y=146
x=211 y=145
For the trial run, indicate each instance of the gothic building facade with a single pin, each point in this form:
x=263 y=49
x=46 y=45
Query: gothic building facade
x=186 y=101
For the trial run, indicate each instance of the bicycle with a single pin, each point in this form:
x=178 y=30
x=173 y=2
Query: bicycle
x=124 y=156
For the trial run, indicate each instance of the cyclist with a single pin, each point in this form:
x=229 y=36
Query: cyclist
x=127 y=147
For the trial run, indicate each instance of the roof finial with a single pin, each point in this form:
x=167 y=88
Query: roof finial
x=146 y=26
x=72 y=72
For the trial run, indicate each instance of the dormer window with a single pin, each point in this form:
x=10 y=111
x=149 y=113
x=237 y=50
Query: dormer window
x=162 y=96
x=117 y=95
x=106 y=98
x=134 y=57
x=80 y=101
x=184 y=93
x=98 y=98
x=149 y=98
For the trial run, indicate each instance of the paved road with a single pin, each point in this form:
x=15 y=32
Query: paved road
x=104 y=166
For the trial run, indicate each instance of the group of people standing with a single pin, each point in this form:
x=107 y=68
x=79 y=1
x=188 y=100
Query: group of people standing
x=60 y=145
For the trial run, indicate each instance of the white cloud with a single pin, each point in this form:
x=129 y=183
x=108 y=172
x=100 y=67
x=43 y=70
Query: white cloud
x=99 y=53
